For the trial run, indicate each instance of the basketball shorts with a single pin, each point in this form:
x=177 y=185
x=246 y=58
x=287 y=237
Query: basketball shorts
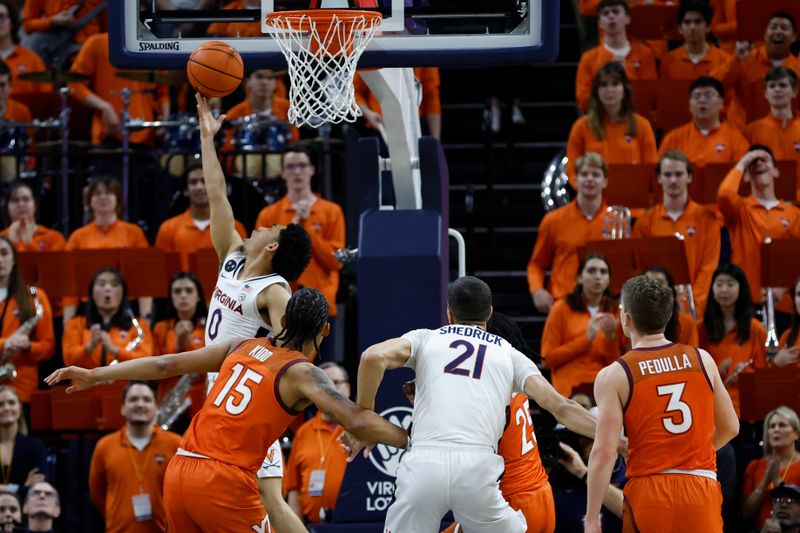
x=537 y=506
x=672 y=503
x=433 y=480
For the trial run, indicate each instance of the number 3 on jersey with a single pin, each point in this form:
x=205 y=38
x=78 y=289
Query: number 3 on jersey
x=675 y=391
x=241 y=387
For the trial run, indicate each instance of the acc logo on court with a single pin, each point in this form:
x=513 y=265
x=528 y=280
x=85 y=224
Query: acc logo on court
x=387 y=458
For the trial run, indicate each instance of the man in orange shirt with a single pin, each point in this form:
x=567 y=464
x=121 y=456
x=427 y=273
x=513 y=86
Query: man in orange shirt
x=743 y=73
x=18 y=58
x=677 y=213
x=316 y=465
x=706 y=139
x=780 y=130
x=696 y=57
x=565 y=230
x=191 y=230
x=676 y=413
x=752 y=219
x=126 y=476
x=639 y=60
x=324 y=222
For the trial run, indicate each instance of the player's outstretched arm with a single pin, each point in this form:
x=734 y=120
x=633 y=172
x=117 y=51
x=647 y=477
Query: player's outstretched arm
x=223 y=225
x=566 y=411
x=281 y=516
x=375 y=361
x=726 y=424
x=207 y=359
x=604 y=451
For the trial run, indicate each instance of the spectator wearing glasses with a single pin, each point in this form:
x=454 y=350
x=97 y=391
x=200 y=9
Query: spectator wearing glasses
x=42 y=507
x=785 y=510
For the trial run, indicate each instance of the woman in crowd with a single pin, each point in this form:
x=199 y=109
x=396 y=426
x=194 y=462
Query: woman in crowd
x=23 y=230
x=108 y=331
x=728 y=330
x=26 y=326
x=23 y=459
x=780 y=464
x=580 y=335
x=184 y=328
x=681 y=327
x=611 y=127
x=789 y=345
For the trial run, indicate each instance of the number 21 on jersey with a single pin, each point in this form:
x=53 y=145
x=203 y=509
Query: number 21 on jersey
x=239 y=383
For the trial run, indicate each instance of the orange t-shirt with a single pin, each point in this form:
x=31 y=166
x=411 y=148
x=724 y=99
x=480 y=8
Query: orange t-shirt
x=37 y=16
x=677 y=65
x=113 y=480
x=166 y=340
x=701 y=236
x=749 y=223
x=557 y=249
x=180 y=234
x=315 y=448
x=729 y=348
x=722 y=145
x=77 y=336
x=43 y=343
x=567 y=351
x=325 y=226
x=280 y=110
x=752 y=477
x=21 y=61
x=119 y=234
x=429 y=80
x=640 y=64
x=44 y=240
x=669 y=417
x=784 y=341
x=784 y=141
x=687 y=333
x=17 y=112
x=236 y=429
x=616 y=146
x=93 y=61
x=524 y=471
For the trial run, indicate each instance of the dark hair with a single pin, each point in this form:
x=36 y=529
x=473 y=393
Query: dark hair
x=12 y=188
x=675 y=155
x=306 y=315
x=705 y=9
x=504 y=326
x=152 y=385
x=122 y=318
x=673 y=328
x=189 y=169
x=299 y=148
x=707 y=81
x=200 y=310
x=293 y=254
x=13 y=16
x=597 y=112
x=469 y=299
x=794 y=326
x=575 y=298
x=112 y=184
x=649 y=303
x=754 y=147
x=14 y=495
x=18 y=288
x=784 y=15
x=743 y=312
x=611 y=3
x=778 y=73
x=5 y=70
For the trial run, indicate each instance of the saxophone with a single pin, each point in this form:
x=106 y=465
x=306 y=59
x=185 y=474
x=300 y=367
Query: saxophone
x=7 y=369
x=136 y=341
x=175 y=402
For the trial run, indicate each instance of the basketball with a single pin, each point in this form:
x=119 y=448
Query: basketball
x=215 y=69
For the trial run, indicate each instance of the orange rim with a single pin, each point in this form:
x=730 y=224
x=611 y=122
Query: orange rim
x=322 y=17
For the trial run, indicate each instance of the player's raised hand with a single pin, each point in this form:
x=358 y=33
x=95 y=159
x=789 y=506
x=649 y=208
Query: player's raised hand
x=81 y=378
x=351 y=446
x=209 y=124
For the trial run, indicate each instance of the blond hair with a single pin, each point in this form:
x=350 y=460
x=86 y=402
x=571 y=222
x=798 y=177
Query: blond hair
x=591 y=159
x=22 y=426
x=787 y=413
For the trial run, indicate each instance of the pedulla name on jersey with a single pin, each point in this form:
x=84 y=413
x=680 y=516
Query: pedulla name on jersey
x=475 y=333
x=226 y=301
x=673 y=363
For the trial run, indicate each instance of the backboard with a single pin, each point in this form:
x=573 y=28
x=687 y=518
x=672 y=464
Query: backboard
x=446 y=33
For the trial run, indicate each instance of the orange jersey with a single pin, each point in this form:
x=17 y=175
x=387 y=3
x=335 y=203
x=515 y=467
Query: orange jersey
x=616 y=146
x=783 y=140
x=557 y=250
x=640 y=64
x=677 y=65
x=524 y=471
x=669 y=417
x=180 y=234
x=37 y=15
x=749 y=223
x=701 y=231
x=722 y=145
x=325 y=226
x=751 y=351
x=21 y=61
x=44 y=240
x=243 y=414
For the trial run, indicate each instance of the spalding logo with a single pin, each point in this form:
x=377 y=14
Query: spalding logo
x=387 y=458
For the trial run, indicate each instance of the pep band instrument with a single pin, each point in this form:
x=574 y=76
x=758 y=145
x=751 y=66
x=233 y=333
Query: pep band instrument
x=7 y=369
x=134 y=342
x=177 y=400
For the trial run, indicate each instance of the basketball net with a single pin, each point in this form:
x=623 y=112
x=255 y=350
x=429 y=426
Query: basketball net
x=322 y=48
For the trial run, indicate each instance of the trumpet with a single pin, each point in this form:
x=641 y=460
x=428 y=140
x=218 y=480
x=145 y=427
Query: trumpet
x=617 y=224
x=554 y=183
x=7 y=369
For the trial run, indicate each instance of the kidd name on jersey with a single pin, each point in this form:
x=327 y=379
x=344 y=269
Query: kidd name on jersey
x=227 y=301
x=672 y=363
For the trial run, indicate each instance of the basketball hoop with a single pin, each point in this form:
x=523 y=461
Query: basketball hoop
x=322 y=47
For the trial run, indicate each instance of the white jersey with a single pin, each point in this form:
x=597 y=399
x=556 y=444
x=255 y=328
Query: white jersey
x=465 y=377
